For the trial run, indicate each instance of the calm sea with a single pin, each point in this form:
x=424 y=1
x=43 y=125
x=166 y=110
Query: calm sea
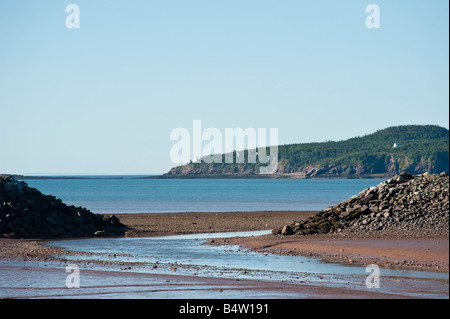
x=131 y=195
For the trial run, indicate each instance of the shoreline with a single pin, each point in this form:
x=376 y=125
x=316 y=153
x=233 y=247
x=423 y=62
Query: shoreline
x=160 y=224
x=420 y=254
x=23 y=256
x=126 y=283
x=409 y=253
x=202 y=176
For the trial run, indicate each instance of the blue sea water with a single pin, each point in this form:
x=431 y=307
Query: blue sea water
x=133 y=195
x=187 y=254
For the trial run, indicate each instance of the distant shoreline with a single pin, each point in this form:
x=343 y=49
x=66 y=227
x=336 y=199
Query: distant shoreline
x=28 y=177
x=199 y=176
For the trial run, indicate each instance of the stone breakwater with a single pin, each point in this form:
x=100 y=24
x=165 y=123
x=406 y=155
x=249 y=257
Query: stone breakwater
x=404 y=206
x=27 y=213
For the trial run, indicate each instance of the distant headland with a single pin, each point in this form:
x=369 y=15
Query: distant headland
x=414 y=149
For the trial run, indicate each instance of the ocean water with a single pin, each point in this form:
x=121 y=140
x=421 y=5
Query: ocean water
x=133 y=195
x=187 y=255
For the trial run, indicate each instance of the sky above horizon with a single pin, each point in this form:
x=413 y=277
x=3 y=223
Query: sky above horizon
x=104 y=98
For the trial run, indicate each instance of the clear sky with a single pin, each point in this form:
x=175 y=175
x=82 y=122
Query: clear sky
x=104 y=98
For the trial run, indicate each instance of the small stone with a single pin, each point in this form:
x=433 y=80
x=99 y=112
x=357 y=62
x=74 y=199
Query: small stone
x=287 y=230
x=100 y=233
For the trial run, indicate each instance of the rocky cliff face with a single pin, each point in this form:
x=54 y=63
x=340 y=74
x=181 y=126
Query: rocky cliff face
x=27 y=213
x=406 y=205
x=202 y=169
x=388 y=167
x=385 y=168
x=413 y=149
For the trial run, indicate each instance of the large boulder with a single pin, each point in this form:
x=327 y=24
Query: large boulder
x=405 y=205
x=27 y=213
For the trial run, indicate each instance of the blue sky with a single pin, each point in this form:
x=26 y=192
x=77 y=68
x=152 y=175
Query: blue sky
x=103 y=99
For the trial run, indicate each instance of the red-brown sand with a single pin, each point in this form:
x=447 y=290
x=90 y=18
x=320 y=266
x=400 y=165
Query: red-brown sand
x=430 y=254
x=410 y=253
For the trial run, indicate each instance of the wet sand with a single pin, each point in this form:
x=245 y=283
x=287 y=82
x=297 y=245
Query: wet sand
x=408 y=253
x=429 y=254
x=129 y=284
x=161 y=224
x=426 y=254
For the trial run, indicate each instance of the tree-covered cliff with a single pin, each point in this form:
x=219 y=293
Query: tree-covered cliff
x=414 y=149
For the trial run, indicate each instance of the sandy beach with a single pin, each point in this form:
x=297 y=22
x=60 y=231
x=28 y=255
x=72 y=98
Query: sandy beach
x=430 y=254
x=190 y=223
x=408 y=253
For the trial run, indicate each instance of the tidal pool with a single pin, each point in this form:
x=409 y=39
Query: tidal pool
x=188 y=255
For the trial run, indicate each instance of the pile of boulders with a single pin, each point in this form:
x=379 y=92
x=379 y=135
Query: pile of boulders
x=27 y=213
x=406 y=205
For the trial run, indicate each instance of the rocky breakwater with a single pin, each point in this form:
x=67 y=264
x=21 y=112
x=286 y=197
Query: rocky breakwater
x=404 y=206
x=27 y=213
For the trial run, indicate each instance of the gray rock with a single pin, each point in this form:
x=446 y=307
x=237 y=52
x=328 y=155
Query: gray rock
x=27 y=213
x=287 y=230
x=406 y=205
x=100 y=233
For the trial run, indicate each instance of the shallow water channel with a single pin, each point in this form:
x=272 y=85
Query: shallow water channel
x=189 y=255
